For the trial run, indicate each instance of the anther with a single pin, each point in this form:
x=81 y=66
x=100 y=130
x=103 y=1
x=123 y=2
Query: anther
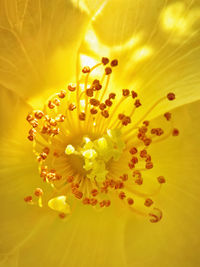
x=89 y=92
x=122 y=195
x=105 y=60
x=62 y=94
x=161 y=179
x=71 y=88
x=134 y=94
x=108 y=70
x=148 y=202
x=108 y=102
x=133 y=150
x=124 y=177
x=121 y=116
x=29 y=118
x=102 y=106
x=56 y=102
x=171 y=96
x=94 y=102
x=125 y=92
x=51 y=105
x=137 y=103
x=130 y=201
x=39 y=114
x=93 y=111
x=94 y=192
x=38 y=192
x=28 y=199
x=112 y=96
x=167 y=115
x=34 y=123
x=175 y=132
x=114 y=63
x=82 y=116
x=105 y=113
x=149 y=165
x=71 y=107
x=86 y=69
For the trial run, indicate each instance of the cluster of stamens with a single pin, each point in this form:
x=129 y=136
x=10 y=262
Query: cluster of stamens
x=111 y=154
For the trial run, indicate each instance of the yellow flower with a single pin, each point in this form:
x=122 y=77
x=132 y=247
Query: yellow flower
x=98 y=146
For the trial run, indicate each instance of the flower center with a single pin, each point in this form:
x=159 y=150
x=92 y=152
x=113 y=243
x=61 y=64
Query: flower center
x=90 y=146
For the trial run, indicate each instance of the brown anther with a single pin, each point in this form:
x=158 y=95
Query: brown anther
x=171 y=96
x=137 y=174
x=114 y=63
x=89 y=92
x=175 y=132
x=161 y=179
x=108 y=70
x=126 y=121
x=147 y=141
x=94 y=192
x=112 y=96
x=62 y=94
x=131 y=165
x=32 y=131
x=86 y=201
x=148 y=158
x=62 y=215
x=119 y=185
x=70 y=179
x=43 y=155
x=102 y=203
x=146 y=123
x=105 y=60
x=97 y=87
x=86 y=69
x=130 y=201
x=44 y=129
x=143 y=153
x=125 y=92
x=108 y=102
x=29 y=118
x=133 y=150
x=102 y=106
x=28 y=199
x=39 y=114
x=82 y=116
x=51 y=105
x=139 y=181
x=71 y=107
x=134 y=94
x=149 y=165
x=107 y=203
x=93 y=201
x=56 y=102
x=34 y=123
x=94 y=102
x=105 y=113
x=124 y=177
x=148 y=202
x=53 y=122
x=55 y=131
x=46 y=150
x=30 y=137
x=93 y=111
x=121 y=116
x=134 y=160
x=60 y=118
x=78 y=194
x=122 y=195
x=38 y=192
x=71 y=88
x=168 y=116
x=137 y=103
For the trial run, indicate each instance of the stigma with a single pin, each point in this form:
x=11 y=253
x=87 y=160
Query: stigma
x=90 y=146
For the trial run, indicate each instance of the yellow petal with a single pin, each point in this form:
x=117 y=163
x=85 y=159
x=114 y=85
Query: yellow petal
x=36 y=44
x=174 y=241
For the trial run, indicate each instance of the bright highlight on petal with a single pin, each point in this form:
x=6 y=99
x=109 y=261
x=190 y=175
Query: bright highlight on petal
x=91 y=145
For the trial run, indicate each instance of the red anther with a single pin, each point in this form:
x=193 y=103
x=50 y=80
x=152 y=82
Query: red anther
x=71 y=88
x=119 y=185
x=89 y=92
x=28 y=199
x=108 y=102
x=51 y=105
x=93 y=201
x=102 y=203
x=62 y=215
x=30 y=137
x=149 y=165
x=141 y=136
x=161 y=179
x=134 y=160
x=125 y=92
x=39 y=114
x=56 y=101
x=168 y=116
x=71 y=107
x=121 y=116
x=108 y=70
x=55 y=131
x=32 y=131
x=124 y=177
x=93 y=111
x=94 y=102
x=114 y=63
x=175 y=132
x=130 y=201
x=44 y=129
x=146 y=123
x=143 y=153
x=96 y=81
x=86 y=201
x=131 y=166
x=38 y=192
x=159 y=131
x=107 y=203
x=62 y=94
x=122 y=195
x=105 y=113
x=46 y=150
x=97 y=87
x=148 y=158
x=86 y=69
x=134 y=94
x=153 y=131
x=94 y=192
x=52 y=122
x=147 y=141
x=78 y=194
x=139 y=181
x=137 y=103
x=105 y=60
x=112 y=96
x=148 y=202
x=133 y=150
x=137 y=174
x=171 y=96
x=102 y=106
x=143 y=129
x=34 y=123
x=29 y=118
